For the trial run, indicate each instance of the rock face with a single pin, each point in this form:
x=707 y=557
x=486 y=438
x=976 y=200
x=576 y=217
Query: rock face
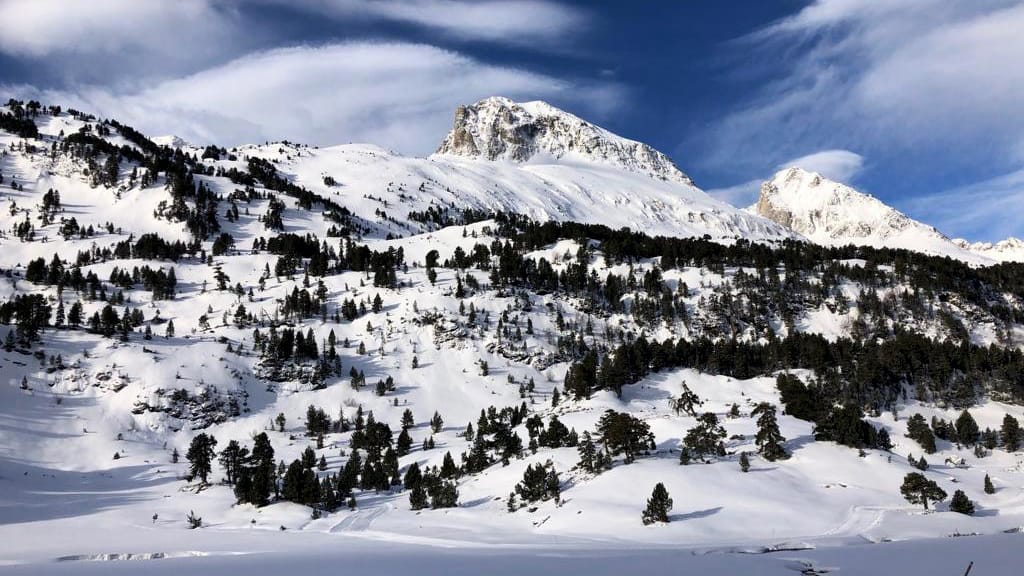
x=831 y=213
x=500 y=129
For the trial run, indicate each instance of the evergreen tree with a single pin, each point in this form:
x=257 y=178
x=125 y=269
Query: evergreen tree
x=413 y=477
x=418 y=498
x=769 y=440
x=588 y=454
x=918 y=430
x=444 y=495
x=658 y=505
x=448 y=467
x=686 y=403
x=200 y=456
x=1010 y=433
x=919 y=490
x=231 y=459
x=960 y=503
x=404 y=443
x=744 y=462
x=989 y=488
x=705 y=439
x=967 y=429
x=622 y=433
x=540 y=482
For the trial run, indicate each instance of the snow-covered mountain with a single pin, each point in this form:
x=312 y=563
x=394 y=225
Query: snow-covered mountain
x=529 y=159
x=1009 y=250
x=150 y=296
x=834 y=214
x=499 y=129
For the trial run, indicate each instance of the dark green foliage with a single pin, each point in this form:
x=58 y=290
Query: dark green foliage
x=624 y=434
x=919 y=431
x=960 y=503
x=705 y=439
x=744 y=462
x=919 y=490
x=231 y=459
x=540 y=482
x=1010 y=433
x=769 y=440
x=658 y=506
x=967 y=429
x=200 y=456
x=989 y=488
x=300 y=484
x=687 y=402
x=846 y=425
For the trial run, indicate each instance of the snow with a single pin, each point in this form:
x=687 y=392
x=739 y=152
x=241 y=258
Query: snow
x=1008 y=250
x=833 y=214
x=66 y=506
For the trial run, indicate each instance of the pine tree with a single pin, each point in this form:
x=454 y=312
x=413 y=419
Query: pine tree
x=231 y=459
x=413 y=477
x=989 y=488
x=448 y=467
x=1010 y=433
x=418 y=498
x=436 y=423
x=407 y=420
x=588 y=454
x=687 y=402
x=404 y=443
x=769 y=440
x=744 y=462
x=918 y=430
x=967 y=429
x=200 y=456
x=658 y=506
x=961 y=503
x=706 y=437
x=919 y=490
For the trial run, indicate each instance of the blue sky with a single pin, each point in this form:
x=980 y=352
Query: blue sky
x=914 y=101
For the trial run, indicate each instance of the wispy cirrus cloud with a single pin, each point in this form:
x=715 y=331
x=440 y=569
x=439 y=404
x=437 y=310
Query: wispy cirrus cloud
x=986 y=211
x=397 y=95
x=883 y=77
x=518 y=22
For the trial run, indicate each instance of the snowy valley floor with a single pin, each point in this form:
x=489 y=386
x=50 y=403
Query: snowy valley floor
x=40 y=548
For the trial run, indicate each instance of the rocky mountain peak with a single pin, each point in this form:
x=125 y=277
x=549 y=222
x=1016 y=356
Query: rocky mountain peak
x=499 y=129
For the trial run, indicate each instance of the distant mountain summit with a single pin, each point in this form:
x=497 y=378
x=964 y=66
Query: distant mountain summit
x=830 y=213
x=499 y=129
x=1009 y=250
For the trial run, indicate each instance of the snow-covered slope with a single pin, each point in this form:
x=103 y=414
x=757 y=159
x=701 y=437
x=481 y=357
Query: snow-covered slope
x=830 y=213
x=90 y=422
x=500 y=129
x=1009 y=250
x=368 y=179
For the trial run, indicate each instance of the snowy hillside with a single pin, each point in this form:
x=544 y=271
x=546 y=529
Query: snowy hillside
x=397 y=355
x=831 y=213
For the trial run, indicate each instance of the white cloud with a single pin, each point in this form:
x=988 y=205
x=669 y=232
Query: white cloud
x=520 y=22
x=119 y=37
x=888 y=78
x=839 y=165
x=985 y=211
x=397 y=95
